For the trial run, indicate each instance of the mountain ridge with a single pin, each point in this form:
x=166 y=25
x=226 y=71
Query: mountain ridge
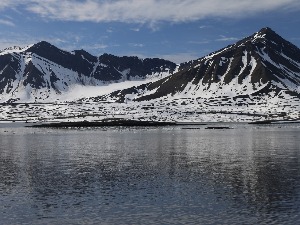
x=261 y=58
x=256 y=78
x=42 y=67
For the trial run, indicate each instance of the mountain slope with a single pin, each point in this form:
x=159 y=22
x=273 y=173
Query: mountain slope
x=42 y=71
x=263 y=63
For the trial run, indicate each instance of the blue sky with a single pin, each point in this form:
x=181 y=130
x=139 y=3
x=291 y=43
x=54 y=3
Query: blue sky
x=178 y=30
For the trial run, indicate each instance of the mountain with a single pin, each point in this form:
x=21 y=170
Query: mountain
x=263 y=63
x=257 y=78
x=42 y=71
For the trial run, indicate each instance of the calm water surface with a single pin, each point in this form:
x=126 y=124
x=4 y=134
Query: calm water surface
x=246 y=175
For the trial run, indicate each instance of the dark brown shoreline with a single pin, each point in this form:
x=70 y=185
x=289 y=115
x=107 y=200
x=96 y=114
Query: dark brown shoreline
x=114 y=123
x=137 y=123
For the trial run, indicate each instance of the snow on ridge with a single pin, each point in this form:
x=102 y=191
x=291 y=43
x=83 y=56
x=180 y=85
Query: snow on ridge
x=103 y=65
x=288 y=84
x=227 y=71
x=295 y=63
x=85 y=58
x=245 y=62
x=159 y=75
x=223 y=60
x=124 y=73
x=96 y=64
x=266 y=57
x=258 y=36
x=15 y=49
x=253 y=64
x=210 y=56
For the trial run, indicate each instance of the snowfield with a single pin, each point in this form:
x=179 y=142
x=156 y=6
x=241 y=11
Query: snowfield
x=168 y=108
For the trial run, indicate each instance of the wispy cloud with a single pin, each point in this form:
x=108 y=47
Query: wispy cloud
x=14 y=41
x=110 y=30
x=135 y=29
x=136 y=45
x=8 y=3
x=7 y=23
x=95 y=47
x=224 y=38
x=148 y=11
x=202 y=27
x=21 y=39
x=199 y=42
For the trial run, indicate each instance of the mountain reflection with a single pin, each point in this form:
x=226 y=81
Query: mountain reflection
x=257 y=172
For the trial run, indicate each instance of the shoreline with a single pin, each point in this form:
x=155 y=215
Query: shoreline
x=115 y=123
x=137 y=123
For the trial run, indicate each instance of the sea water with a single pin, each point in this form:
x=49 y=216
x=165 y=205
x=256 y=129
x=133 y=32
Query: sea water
x=165 y=175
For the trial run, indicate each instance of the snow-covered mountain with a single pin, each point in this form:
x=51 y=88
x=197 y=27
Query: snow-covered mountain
x=257 y=78
x=41 y=72
x=262 y=64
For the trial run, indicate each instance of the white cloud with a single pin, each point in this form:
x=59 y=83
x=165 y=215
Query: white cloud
x=7 y=23
x=7 y=42
x=148 y=11
x=135 y=29
x=7 y=3
x=110 y=30
x=9 y=39
x=202 y=42
x=136 y=45
x=224 y=38
x=95 y=47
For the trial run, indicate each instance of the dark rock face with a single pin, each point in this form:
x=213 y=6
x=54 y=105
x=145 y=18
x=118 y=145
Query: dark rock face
x=78 y=62
x=116 y=66
x=8 y=66
x=33 y=77
x=262 y=62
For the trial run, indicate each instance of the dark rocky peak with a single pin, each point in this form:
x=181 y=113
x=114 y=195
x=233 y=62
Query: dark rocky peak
x=259 y=55
x=267 y=35
x=41 y=46
x=272 y=43
x=266 y=39
x=135 y=62
x=269 y=39
x=47 y=50
x=132 y=66
x=267 y=31
x=108 y=58
x=64 y=58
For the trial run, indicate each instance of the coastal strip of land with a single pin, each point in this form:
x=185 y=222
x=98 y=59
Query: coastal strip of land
x=110 y=123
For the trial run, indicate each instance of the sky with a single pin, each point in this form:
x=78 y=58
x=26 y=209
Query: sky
x=177 y=30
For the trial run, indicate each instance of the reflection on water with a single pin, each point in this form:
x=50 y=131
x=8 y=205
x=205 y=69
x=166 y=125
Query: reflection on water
x=246 y=175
